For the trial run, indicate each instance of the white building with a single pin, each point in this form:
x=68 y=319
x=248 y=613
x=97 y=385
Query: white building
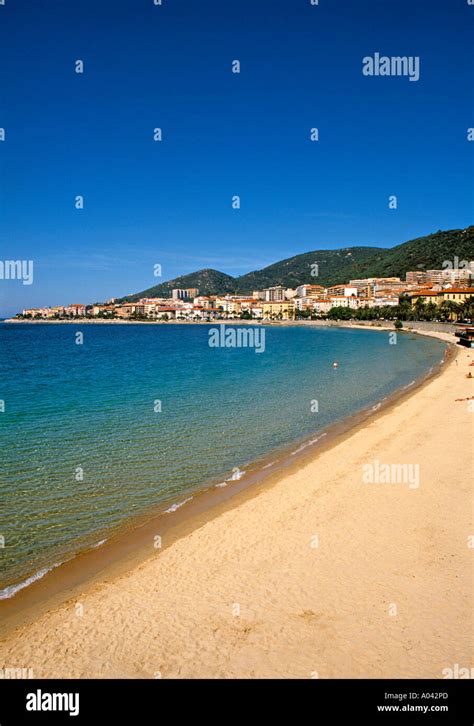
x=275 y=294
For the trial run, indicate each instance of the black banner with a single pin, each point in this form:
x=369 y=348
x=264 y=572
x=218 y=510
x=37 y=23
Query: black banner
x=147 y=701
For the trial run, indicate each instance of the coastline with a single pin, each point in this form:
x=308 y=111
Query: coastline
x=409 y=326
x=62 y=618
x=378 y=325
x=129 y=542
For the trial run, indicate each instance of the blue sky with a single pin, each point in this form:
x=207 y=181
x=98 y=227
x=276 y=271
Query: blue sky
x=169 y=202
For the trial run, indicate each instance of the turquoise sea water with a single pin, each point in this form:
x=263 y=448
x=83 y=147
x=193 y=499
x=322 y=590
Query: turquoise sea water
x=92 y=407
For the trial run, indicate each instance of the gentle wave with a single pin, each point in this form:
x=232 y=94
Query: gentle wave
x=235 y=477
x=176 y=506
x=11 y=590
x=99 y=543
x=308 y=443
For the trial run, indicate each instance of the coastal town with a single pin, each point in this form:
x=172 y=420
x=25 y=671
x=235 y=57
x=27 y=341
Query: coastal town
x=445 y=294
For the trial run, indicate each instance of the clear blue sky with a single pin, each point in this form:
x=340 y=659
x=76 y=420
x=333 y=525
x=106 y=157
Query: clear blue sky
x=224 y=134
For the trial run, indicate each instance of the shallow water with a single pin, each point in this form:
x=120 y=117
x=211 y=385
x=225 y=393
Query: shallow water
x=85 y=447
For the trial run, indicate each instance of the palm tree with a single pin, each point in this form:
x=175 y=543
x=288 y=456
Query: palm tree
x=449 y=310
x=404 y=307
x=431 y=310
x=420 y=308
x=466 y=308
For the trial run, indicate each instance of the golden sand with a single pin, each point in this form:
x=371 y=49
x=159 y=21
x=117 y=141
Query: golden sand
x=317 y=575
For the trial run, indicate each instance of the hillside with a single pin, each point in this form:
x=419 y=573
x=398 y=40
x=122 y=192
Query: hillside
x=334 y=266
x=338 y=266
x=207 y=281
x=425 y=253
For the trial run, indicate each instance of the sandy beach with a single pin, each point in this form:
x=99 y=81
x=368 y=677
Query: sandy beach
x=320 y=574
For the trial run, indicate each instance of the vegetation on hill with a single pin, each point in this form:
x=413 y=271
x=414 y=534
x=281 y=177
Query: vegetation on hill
x=432 y=251
x=207 y=281
x=331 y=266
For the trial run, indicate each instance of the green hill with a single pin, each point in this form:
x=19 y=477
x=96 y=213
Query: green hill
x=334 y=266
x=425 y=253
x=338 y=266
x=207 y=281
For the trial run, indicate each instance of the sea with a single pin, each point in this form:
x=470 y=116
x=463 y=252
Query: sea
x=104 y=425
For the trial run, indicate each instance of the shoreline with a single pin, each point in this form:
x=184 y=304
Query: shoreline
x=55 y=583
x=408 y=325
x=233 y=499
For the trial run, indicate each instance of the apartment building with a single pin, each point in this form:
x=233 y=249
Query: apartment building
x=345 y=290
x=44 y=313
x=366 y=286
x=456 y=294
x=182 y=293
x=417 y=277
x=310 y=291
x=275 y=294
x=97 y=309
x=76 y=309
x=279 y=309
